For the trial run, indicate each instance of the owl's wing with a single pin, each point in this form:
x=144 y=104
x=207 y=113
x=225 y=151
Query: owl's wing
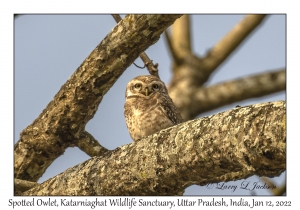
x=127 y=111
x=170 y=109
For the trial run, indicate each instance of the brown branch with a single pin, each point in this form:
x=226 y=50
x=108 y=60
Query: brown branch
x=209 y=98
x=117 y=17
x=281 y=190
x=176 y=59
x=65 y=117
x=277 y=191
x=180 y=43
x=88 y=144
x=181 y=36
x=22 y=186
x=231 y=41
x=152 y=68
x=192 y=72
x=228 y=146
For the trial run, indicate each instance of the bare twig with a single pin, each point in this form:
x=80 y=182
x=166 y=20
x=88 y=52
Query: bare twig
x=152 y=68
x=89 y=145
x=117 y=17
x=139 y=66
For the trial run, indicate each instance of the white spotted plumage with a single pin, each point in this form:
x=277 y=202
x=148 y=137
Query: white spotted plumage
x=148 y=107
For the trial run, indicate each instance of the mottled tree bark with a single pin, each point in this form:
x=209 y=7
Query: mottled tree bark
x=190 y=72
x=227 y=146
x=203 y=99
x=61 y=124
x=22 y=185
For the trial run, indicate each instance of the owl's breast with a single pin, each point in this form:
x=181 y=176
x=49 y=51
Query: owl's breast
x=146 y=117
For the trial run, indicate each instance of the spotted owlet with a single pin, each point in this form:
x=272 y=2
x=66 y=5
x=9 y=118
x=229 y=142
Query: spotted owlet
x=148 y=107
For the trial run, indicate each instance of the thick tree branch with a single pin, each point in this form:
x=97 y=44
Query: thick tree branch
x=181 y=36
x=175 y=58
x=227 y=146
x=191 y=72
x=204 y=99
x=22 y=186
x=231 y=41
x=65 y=117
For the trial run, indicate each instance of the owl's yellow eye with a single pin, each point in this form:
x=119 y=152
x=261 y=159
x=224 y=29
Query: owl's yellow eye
x=155 y=86
x=137 y=86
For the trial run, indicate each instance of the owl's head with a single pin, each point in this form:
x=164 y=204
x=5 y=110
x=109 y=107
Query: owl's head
x=145 y=86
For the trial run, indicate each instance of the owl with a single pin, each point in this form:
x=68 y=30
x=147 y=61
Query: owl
x=148 y=107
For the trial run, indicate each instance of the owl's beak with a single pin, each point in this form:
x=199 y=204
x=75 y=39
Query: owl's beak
x=146 y=91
